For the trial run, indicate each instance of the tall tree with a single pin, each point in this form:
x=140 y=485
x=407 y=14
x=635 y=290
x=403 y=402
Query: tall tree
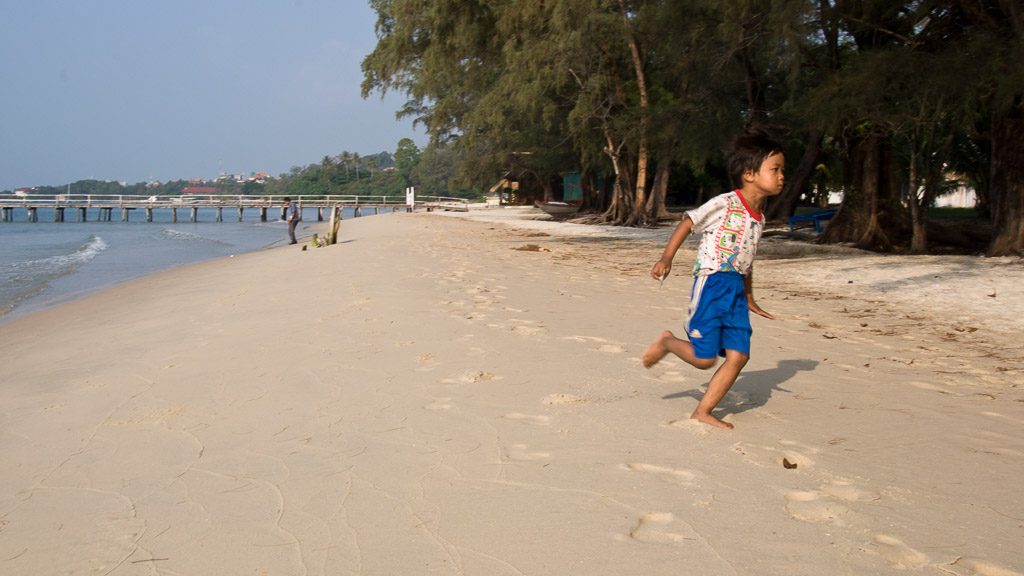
x=997 y=37
x=852 y=99
x=407 y=155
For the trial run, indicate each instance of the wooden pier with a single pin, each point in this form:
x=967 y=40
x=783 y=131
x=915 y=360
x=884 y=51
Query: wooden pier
x=62 y=206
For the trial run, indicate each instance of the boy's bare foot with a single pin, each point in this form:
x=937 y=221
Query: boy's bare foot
x=657 y=350
x=711 y=421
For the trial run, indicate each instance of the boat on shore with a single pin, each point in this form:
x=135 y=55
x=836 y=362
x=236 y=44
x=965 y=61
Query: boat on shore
x=559 y=207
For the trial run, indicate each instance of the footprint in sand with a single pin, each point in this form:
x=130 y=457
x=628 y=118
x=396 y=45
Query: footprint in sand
x=536 y=420
x=604 y=345
x=521 y=453
x=984 y=568
x=426 y=362
x=897 y=553
x=470 y=377
x=826 y=505
x=475 y=315
x=771 y=456
x=557 y=399
x=528 y=330
x=1001 y=416
x=671 y=475
x=661 y=528
x=584 y=338
x=933 y=388
x=690 y=425
x=440 y=404
x=847 y=491
x=810 y=507
x=672 y=377
x=527 y=327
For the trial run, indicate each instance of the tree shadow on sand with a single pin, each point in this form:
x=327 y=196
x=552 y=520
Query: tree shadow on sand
x=752 y=389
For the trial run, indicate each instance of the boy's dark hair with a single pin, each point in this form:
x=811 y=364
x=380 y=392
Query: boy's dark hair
x=748 y=151
x=287 y=199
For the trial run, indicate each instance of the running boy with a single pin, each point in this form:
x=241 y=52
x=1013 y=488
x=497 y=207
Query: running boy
x=729 y=226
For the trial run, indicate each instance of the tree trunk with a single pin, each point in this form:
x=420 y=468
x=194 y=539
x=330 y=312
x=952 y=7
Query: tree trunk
x=638 y=214
x=659 y=190
x=919 y=236
x=868 y=216
x=594 y=196
x=1006 y=191
x=546 y=187
x=620 y=207
x=784 y=205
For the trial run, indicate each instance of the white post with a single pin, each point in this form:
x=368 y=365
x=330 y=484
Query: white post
x=410 y=197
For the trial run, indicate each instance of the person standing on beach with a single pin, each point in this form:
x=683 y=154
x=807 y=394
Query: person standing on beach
x=722 y=296
x=292 y=216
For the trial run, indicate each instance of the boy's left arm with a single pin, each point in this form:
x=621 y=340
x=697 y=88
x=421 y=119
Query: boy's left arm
x=748 y=287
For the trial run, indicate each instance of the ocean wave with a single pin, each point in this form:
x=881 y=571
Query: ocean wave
x=179 y=235
x=60 y=263
x=23 y=279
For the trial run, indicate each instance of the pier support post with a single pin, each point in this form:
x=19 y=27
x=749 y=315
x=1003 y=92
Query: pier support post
x=240 y=210
x=283 y=215
x=263 y=214
x=83 y=214
x=149 y=214
x=124 y=214
x=8 y=214
x=174 y=215
x=33 y=214
x=193 y=214
x=58 y=214
x=320 y=214
x=220 y=214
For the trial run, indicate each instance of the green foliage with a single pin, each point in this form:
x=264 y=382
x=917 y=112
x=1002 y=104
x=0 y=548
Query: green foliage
x=407 y=155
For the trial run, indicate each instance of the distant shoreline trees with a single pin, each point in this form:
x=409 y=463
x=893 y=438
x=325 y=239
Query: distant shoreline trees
x=348 y=173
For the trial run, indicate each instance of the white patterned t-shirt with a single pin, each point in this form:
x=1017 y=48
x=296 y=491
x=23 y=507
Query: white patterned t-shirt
x=729 y=231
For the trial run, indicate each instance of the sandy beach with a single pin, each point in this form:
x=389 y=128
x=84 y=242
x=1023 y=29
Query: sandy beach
x=462 y=394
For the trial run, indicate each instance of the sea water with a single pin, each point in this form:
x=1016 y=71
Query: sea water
x=45 y=263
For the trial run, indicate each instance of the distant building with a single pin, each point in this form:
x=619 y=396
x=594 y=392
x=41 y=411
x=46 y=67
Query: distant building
x=960 y=197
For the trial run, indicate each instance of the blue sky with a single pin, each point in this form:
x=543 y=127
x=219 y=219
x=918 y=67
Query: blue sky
x=134 y=90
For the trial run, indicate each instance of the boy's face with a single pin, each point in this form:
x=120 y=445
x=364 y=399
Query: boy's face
x=769 y=178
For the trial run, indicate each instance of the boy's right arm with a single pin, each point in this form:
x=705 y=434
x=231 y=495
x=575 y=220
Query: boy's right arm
x=663 y=266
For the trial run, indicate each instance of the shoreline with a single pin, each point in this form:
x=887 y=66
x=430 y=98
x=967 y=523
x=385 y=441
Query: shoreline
x=444 y=392
x=69 y=286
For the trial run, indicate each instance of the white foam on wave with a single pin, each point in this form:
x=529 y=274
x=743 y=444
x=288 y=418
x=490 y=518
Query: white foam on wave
x=172 y=234
x=62 y=263
x=22 y=280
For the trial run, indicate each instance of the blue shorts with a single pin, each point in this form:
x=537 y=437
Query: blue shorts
x=719 y=318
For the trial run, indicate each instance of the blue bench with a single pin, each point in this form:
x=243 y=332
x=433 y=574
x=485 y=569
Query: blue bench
x=815 y=217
